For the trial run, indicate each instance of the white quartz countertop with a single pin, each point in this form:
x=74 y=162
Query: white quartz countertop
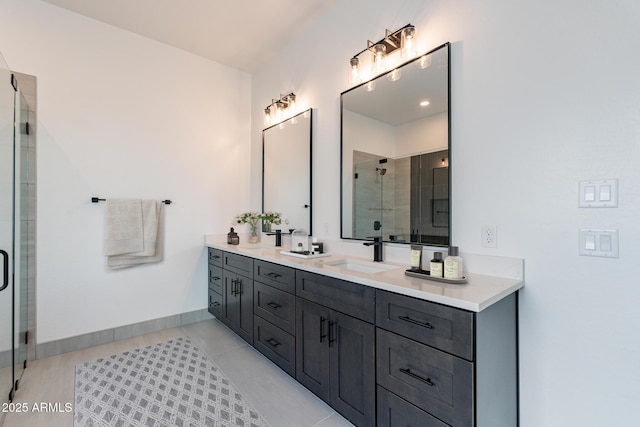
x=478 y=293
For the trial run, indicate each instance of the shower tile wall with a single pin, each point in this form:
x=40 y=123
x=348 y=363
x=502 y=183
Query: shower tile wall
x=383 y=197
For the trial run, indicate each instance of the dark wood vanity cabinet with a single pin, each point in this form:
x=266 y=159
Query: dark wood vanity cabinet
x=377 y=357
x=335 y=352
x=451 y=366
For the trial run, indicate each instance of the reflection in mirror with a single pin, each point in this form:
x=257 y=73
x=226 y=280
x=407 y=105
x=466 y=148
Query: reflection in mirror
x=395 y=154
x=286 y=171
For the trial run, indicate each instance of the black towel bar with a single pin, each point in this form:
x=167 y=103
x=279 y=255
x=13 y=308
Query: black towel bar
x=96 y=200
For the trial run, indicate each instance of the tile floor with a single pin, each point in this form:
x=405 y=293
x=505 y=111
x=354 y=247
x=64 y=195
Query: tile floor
x=278 y=397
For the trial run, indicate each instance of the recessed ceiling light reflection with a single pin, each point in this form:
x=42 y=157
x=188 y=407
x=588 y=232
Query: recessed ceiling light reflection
x=424 y=103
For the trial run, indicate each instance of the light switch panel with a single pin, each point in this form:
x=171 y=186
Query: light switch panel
x=601 y=193
x=598 y=243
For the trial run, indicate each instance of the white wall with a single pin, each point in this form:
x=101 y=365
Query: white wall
x=422 y=136
x=545 y=94
x=120 y=115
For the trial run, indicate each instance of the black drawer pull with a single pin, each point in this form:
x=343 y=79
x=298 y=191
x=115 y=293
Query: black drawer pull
x=214 y=304
x=215 y=278
x=273 y=342
x=273 y=275
x=274 y=305
x=427 y=381
x=416 y=322
x=216 y=256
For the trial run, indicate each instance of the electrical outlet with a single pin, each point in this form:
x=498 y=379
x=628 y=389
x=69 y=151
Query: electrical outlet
x=489 y=237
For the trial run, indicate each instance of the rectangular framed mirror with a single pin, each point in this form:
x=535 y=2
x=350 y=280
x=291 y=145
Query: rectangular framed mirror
x=286 y=171
x=395 y=162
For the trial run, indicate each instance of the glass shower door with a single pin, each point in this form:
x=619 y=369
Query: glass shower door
x=7 y=186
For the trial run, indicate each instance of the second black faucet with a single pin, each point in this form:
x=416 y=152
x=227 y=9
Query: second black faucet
x=377 y=248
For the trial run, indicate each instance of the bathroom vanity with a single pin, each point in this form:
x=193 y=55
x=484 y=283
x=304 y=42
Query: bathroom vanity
x=381 y=348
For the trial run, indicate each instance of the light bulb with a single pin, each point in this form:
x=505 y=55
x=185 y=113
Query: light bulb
x=354 y=71
x=279 y=112
x=378 y=65
x=292 y=105
x=267 y=116
x=408 y=43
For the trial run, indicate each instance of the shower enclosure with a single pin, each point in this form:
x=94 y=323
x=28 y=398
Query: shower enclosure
x=403 y=199
x=17 y=230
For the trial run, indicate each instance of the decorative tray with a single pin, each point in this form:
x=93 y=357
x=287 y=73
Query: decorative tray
x=306 y=254
x=424 y=274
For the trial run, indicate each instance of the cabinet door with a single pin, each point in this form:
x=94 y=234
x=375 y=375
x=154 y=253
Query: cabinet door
x=229 y=301
x=312 y=347
x=244 y=296
x=237 y=304
x=352 y=368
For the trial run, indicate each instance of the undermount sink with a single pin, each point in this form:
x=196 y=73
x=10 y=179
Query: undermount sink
x=361 y=266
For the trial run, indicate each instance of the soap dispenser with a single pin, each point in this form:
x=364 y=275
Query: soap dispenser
x=453 y=265
x=232 y=237
x=436 y=265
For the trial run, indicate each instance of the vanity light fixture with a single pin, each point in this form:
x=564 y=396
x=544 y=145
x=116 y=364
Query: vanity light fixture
x=280 y=109
x=402 y=39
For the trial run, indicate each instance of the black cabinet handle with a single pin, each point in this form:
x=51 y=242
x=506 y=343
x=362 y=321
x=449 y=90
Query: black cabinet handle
x=273 y=275
x=236 y=287
x=214 y=304
x=416 y=322
x=332 y=336
x=216 y=256
x=274 y=305
x=215 y=278
x=427 y=381
x=322 y=335
x=273 y=342
x=5 y=274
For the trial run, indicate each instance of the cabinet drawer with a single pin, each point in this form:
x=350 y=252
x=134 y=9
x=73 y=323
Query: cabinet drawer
x=393 y=411
x=437 y=382
x=276 y=344
x=215 y=257
x=275 y=306
x=215 y=303
x=278 y=276
x=238 y=263
x=446 y=328
x=215 y=278
x=347 y=297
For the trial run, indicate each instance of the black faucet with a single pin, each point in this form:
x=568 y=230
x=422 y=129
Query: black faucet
x=377 y=248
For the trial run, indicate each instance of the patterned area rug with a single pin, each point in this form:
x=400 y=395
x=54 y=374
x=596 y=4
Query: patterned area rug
x=168 y=384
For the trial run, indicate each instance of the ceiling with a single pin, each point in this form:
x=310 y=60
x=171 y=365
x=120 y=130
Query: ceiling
x=242 y=34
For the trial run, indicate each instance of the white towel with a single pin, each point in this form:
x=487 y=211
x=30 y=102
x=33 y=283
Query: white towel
x=123 y=227
x=153 y=239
